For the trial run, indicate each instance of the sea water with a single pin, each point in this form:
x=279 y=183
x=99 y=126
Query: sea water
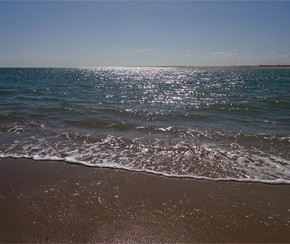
x=203 y=123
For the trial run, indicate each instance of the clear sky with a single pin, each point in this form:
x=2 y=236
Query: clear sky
x=143 y=33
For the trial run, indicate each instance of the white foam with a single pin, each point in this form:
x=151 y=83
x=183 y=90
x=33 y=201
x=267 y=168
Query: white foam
x=170 y=158
x=44 y=158
x=120 y=167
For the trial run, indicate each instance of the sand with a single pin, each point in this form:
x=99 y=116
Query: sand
x=46 y=201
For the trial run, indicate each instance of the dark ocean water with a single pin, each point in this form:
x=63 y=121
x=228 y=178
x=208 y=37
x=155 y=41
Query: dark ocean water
x=219 y=124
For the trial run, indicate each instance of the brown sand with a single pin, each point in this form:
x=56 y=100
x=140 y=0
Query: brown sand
x=58 y=202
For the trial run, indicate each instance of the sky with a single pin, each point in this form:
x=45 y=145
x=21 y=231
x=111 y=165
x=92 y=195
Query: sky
x=143 y=33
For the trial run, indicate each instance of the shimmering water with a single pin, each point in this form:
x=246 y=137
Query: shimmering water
x=218 y=124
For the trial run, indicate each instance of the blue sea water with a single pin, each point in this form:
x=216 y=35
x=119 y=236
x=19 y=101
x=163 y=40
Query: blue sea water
x=204 y=123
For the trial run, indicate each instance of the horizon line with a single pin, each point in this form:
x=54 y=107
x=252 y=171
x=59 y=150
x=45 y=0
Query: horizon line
x=151 y=66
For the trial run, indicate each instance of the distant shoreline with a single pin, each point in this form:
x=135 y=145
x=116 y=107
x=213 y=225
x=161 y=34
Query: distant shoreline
x=258 y=67
x=234 y=67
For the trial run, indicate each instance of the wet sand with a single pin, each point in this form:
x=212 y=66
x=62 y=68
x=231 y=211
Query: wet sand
x=43 y=201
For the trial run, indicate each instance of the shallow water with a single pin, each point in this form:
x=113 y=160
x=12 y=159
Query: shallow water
x=218 y=124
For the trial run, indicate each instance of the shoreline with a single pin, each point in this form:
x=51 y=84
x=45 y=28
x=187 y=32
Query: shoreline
x=160 y=174
x=54 y=201
x=262 y=67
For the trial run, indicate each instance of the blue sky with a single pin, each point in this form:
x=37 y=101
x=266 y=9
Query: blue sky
x=143 y=33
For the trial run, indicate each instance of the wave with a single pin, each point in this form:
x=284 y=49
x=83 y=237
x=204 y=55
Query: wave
x=186 y=157
x=119 y=167
x=203 y=124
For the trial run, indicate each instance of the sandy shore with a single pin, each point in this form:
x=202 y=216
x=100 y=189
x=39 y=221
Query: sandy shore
x=57 y=202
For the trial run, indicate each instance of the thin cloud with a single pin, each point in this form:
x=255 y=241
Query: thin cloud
x=278 y=55
x=145 y=49
x=226 y=55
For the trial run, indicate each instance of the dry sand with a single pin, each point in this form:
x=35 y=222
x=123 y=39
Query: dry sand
x=44 y=201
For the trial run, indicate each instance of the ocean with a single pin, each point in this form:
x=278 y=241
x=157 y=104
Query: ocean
x=202 y=123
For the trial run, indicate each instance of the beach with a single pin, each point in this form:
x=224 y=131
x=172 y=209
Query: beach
x=49 y=201
x=145 y=122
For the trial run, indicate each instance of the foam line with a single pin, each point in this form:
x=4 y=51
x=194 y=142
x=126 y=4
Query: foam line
x=70 y=160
